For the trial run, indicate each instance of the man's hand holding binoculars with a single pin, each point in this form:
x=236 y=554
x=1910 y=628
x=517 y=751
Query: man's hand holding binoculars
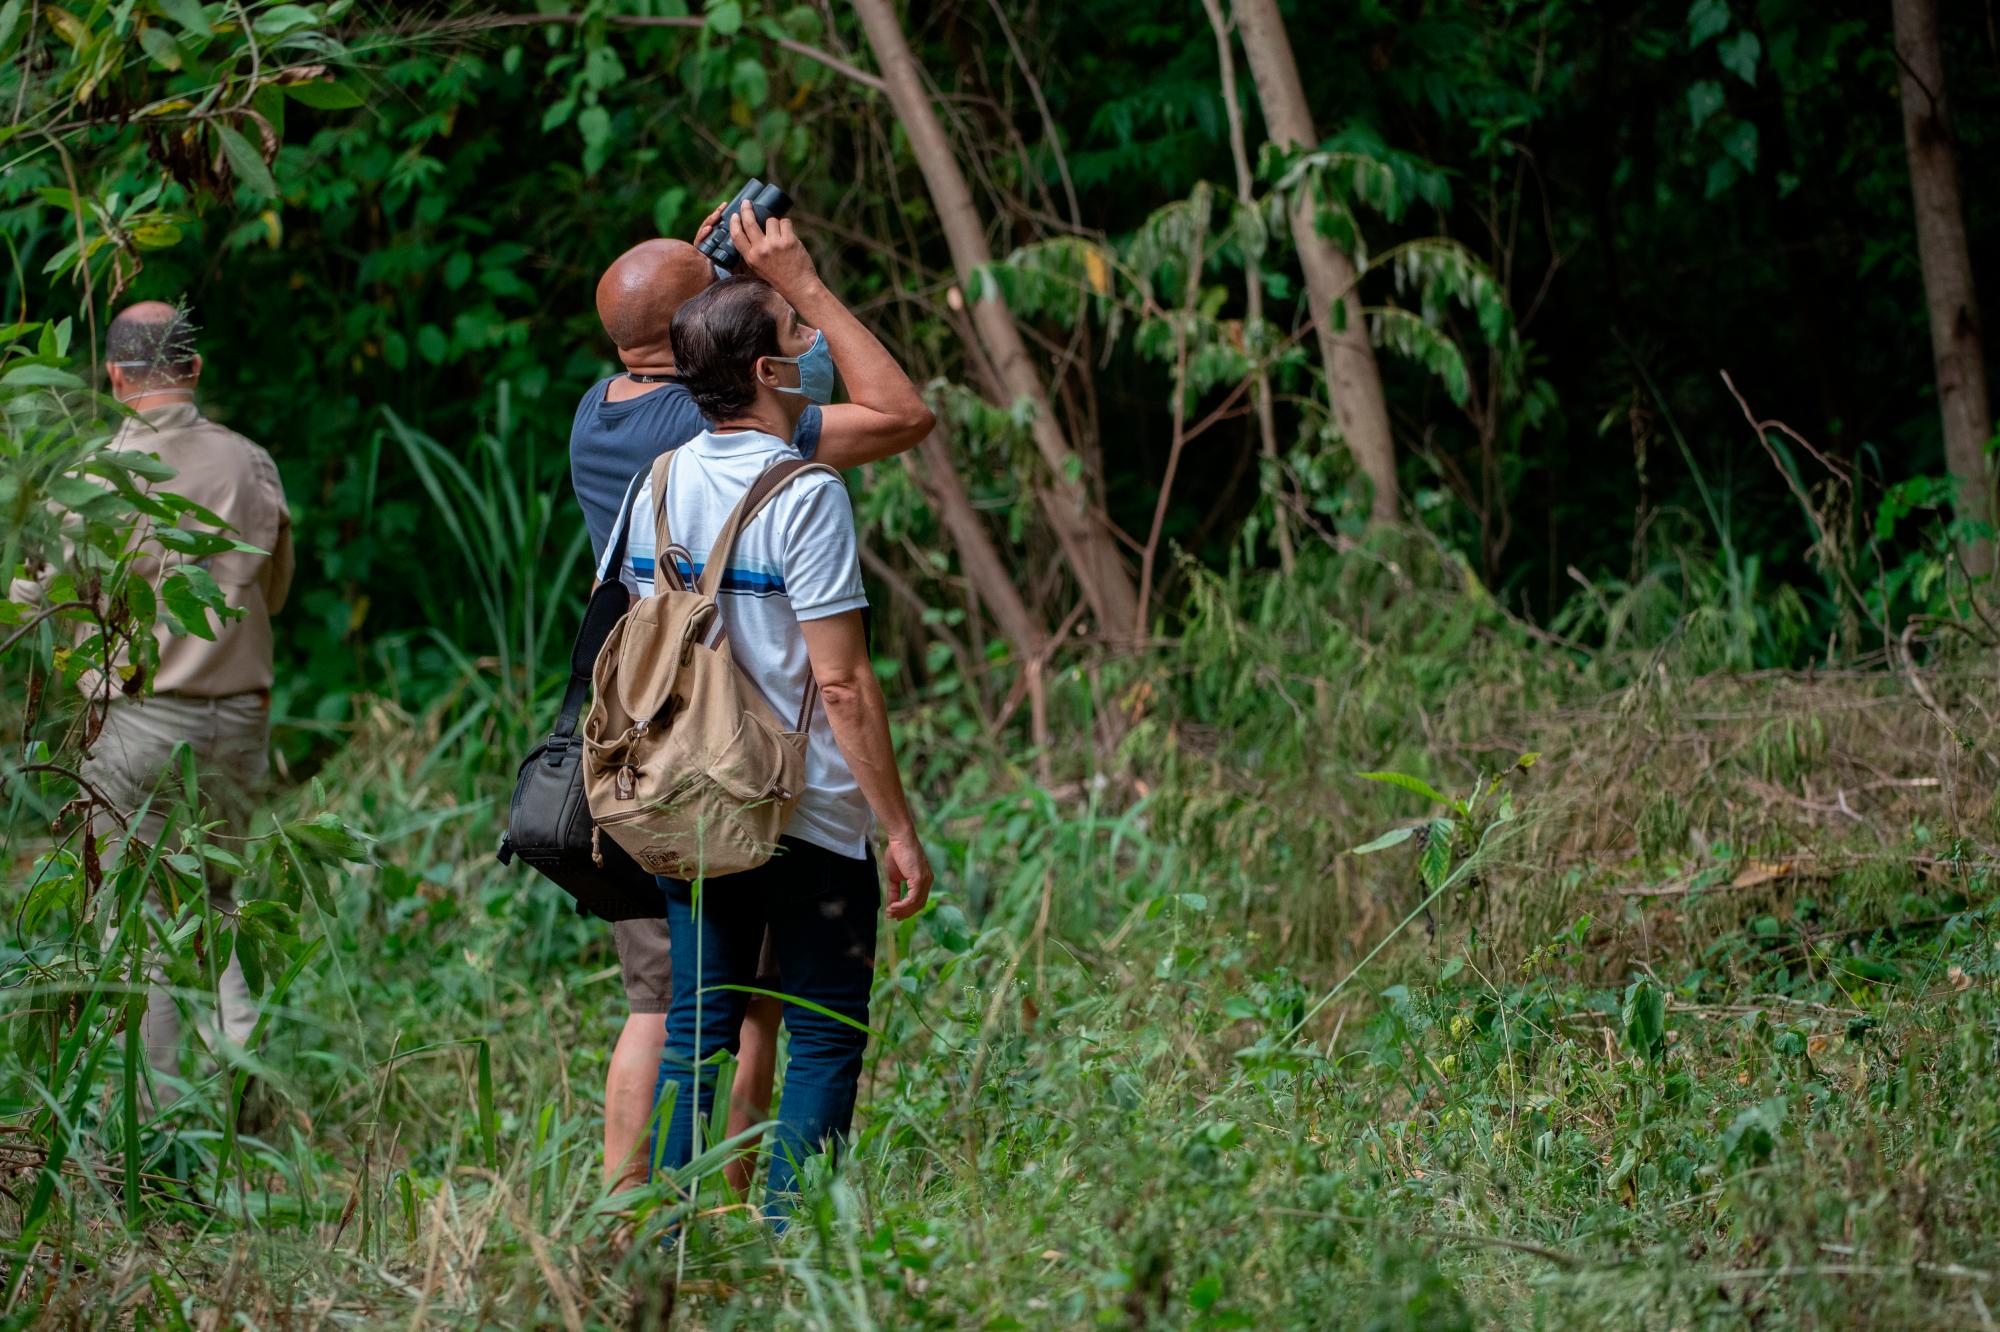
x=775 y=253
x=884 y=413
x=772 y=251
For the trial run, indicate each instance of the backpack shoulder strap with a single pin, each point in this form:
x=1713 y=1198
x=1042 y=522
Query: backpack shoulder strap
x=773 y=479
x=607 y=603
x=664 y=569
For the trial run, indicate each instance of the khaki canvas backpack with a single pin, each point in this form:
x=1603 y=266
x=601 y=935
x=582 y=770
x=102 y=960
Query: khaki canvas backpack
x=685 y=765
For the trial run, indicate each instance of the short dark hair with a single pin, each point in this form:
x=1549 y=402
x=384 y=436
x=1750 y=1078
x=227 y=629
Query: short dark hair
x=718 y=336
x=152 y=349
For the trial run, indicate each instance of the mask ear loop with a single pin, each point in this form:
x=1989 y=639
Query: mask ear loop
x=792 y=361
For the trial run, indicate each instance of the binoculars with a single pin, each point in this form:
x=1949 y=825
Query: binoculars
x=767 y=201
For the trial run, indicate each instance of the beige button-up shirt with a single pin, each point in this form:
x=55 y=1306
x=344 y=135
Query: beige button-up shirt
x=236 y=480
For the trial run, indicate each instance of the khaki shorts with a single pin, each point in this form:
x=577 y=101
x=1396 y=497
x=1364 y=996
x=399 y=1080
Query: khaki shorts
x=647 y=960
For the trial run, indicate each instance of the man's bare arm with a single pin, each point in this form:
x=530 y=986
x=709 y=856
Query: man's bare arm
x=885 y=415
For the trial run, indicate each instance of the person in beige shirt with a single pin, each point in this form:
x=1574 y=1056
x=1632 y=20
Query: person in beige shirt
x=215 y=695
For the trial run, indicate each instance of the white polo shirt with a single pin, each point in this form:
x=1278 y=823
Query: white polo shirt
x=798 y=560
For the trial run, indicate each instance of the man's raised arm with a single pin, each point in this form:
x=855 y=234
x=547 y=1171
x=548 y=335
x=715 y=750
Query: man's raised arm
x=884 y=414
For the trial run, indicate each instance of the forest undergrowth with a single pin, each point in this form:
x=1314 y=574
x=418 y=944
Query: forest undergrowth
x=1666 y=999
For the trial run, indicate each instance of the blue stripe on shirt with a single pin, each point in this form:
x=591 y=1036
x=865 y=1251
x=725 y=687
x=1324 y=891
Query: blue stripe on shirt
x=746 y=582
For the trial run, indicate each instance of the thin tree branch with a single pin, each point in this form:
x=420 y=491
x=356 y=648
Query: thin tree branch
x=826 y=58
x=96 y=795
x=1041 y=106
x=1190 y=298
x=22 y=632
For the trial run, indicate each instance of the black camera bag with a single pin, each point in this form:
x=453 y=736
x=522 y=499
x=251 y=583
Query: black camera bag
x=548 y=821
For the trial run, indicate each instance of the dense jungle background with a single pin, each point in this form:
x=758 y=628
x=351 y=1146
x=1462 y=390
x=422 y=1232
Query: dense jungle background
x=1443 y=644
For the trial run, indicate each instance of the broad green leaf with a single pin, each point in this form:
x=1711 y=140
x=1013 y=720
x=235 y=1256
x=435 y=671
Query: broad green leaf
x=183 y=606
x=327 y=839
x=10 y=25
x=431 y=344
x=160 y=45
x=246 y=162
x=1704 y=98
x=594 y=123
x=748 y=81
x=667 y=209
x=231 y=862
x=73 y=492
x=1739 y=55
x=68 y=26
x=39 y=376
x=724 y=17
x=1394 y=837
x=1741 y=145
x=189 y=14
x=250 y=957
x=602 y=68
x=156 y=236
x=121 y=461
x=140 y=601
x=1722 y=173
x=270 y=104
x=1645 y=1018
x=1434 y=864
x=201 y=544
x=1415 y=785
x=201 y=585
x=324 y=96
x=281 y=19
x=1706 y=19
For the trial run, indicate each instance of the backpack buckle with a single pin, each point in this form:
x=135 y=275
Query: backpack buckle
x=627 y=782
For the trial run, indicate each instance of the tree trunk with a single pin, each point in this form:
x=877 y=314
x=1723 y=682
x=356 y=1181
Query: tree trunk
x=985 y=568
x=1956 y=344
x=992 y=582
x=1253 y=283
x=1352 y=380
x=1085 y=538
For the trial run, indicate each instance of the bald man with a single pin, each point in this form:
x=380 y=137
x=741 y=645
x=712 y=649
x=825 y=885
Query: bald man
x=628 y=420
x=214 y=694
x=621 y=426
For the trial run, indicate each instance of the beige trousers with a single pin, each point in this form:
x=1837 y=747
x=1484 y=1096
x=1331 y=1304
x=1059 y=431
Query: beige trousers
x=132 y=762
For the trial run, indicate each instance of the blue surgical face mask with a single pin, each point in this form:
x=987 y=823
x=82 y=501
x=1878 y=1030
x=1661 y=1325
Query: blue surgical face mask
x=815 y=371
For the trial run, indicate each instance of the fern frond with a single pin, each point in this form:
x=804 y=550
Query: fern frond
x=1407 y=334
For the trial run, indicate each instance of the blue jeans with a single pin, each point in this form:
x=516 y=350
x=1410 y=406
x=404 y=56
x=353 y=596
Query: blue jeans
x=821 y=909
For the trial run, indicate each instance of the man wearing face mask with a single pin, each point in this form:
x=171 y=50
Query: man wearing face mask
x=213 y=694
x=791 y=602
x=621 y=426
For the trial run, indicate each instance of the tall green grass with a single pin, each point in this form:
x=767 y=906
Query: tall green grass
x=1679 y=1044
